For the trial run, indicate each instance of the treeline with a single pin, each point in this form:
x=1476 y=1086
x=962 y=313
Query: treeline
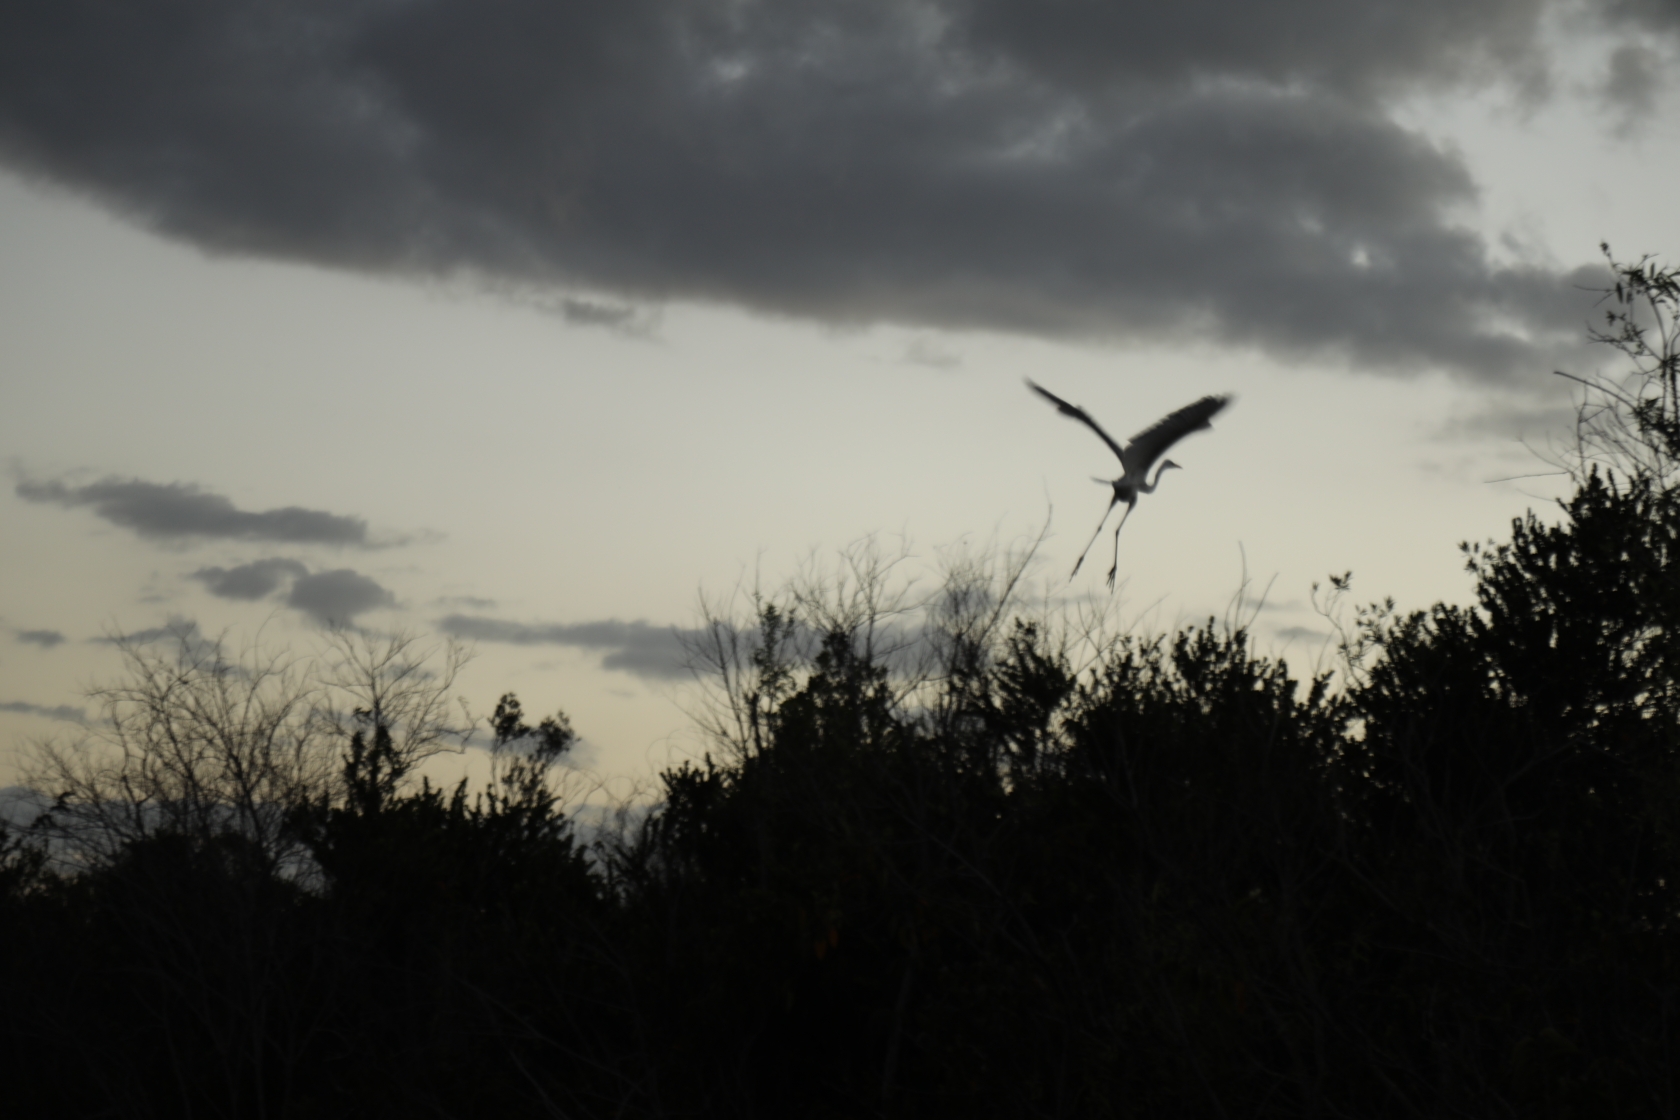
x=967 y=861
x=1172 y=881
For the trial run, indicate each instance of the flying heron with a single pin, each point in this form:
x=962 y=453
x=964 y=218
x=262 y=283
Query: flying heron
x=1137 y=457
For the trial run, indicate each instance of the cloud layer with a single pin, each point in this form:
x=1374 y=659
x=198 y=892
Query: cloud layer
x=639 y=648
x=1089 y=168
x=179 y=510
x=57 y=711
x=183 y=632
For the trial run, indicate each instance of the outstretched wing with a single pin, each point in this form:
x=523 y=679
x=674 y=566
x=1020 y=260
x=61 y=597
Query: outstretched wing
x=1080 y=415
x=1151 y=443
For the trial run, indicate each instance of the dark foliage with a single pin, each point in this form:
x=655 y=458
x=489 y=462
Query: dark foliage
x=1177 y=883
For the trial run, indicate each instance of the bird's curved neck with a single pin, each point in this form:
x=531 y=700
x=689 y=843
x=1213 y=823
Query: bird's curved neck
x=1149 y=487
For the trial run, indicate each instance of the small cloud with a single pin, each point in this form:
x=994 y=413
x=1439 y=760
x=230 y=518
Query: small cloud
x=46 y=639
x=474 y=602
x=338 y=595
x=622 y=318
x=141 y=637
x=1303 y=634
x=255 y=580
x=181 y=630
x=924 y=351
x=1285 y=606
x=1507 y=420
x=59 y=711
x=181 y=510
x=1634 y=80
x=638 y=648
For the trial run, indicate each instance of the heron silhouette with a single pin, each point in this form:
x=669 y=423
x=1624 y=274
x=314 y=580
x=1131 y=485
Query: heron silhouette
x=1136 y=457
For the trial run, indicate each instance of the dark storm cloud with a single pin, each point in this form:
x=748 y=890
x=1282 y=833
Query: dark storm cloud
x=58 y=711
x=179 y=510
x=255 y=580
x=1088 y=168
x=638 y=648
x=1656 y=15
x=46 y=639
x=338 y=596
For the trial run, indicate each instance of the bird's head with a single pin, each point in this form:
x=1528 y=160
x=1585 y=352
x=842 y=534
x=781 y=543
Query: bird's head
x=1166 y=464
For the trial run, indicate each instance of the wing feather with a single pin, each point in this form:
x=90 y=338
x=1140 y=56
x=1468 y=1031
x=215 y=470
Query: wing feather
x=1151 y=443
x=1084 y=417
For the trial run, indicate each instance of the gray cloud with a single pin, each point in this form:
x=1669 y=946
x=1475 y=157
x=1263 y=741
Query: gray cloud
x=338 y=596
x=181 y=633
x=255 y=580
x=1654 y=15
x=60 y=711
x=639 y=648
x=1634 y=80
x=46 y=639
x=1089 y=169
x=152 y=634
x=621 y=318
x=182 y=630
x=476 y=602
x=332 y=596
x=181 y=510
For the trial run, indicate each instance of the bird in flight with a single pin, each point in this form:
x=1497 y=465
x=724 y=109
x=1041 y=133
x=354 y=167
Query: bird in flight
x=1136 y=457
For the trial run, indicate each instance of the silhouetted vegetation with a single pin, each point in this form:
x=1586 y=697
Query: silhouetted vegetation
x=961 y=861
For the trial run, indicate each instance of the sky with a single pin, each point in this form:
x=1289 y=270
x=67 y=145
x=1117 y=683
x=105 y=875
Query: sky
x=535 y=326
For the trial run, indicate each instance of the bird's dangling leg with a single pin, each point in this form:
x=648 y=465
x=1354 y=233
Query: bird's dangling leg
x=1114 y=570
x=1094 y=537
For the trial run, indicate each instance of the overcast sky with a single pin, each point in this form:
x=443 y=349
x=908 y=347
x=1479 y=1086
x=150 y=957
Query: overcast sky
x=528 y=323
